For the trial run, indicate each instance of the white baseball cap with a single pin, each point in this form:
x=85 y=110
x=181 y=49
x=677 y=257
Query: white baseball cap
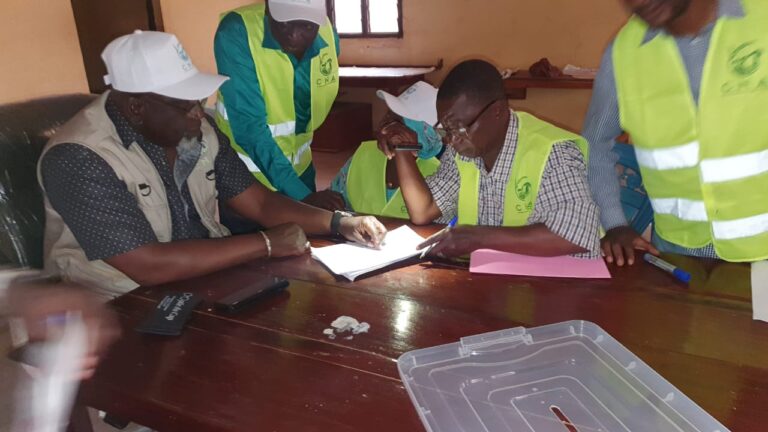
x=294 y=10
x=155 y=62
x=417 y=102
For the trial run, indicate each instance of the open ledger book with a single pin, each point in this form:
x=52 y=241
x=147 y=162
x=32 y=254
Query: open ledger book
x=353 y=260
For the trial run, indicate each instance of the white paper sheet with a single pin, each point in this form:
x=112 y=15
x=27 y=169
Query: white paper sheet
x=45 y=397
x=760 y=290
x=353 y=260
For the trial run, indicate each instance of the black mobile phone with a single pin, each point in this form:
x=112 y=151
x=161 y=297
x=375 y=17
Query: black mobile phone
x=250 y=294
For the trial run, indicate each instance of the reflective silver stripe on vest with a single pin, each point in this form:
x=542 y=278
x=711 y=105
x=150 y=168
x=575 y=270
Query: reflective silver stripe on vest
x=734 y=167
x=684 y=209
x=249 y=163
x=222 y=110
x=283 y=129
x=740 y=228
x=303 y=149
x=684 y=156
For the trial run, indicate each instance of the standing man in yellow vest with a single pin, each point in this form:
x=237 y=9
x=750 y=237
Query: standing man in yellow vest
x=368 y=181
x=516 y=183
x=282 y=61
x=688 y=80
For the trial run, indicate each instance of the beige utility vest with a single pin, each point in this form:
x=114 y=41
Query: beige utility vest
x=93 y=129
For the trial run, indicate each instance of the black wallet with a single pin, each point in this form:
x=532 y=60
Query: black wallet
x=171 y=315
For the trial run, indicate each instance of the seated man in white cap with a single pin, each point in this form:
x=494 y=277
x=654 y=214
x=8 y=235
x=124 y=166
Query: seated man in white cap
x=282 y=61
x=132 y=181
x=513 y=182
x=368 y=181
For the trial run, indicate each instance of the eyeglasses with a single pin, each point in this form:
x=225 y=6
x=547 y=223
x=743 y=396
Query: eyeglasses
x=184 y=106
x=449 y=134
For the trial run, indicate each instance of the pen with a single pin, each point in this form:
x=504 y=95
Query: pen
x=451 y=224
x=408 y=148
x=678 y=273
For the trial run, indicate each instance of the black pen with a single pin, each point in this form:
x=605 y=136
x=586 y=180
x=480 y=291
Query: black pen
x=411 y=147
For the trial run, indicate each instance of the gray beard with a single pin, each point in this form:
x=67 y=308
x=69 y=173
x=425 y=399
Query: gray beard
x=188 y=151
x=188 y=145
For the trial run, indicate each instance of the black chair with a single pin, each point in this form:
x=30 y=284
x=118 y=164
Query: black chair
x=24 y=129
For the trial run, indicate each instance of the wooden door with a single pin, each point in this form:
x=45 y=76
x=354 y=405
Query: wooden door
x=101 y=21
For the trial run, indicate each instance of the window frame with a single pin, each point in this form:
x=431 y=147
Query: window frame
x=365 y=13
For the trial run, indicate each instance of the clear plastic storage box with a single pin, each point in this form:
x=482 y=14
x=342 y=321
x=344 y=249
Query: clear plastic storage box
x=565 y=377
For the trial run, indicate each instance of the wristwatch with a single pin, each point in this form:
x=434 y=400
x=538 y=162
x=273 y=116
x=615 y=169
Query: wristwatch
x=336 y=221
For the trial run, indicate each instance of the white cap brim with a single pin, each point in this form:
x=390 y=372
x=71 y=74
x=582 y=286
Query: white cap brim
x=287 y=12
x=424 y=109
x=394 y=104
x=196 y=87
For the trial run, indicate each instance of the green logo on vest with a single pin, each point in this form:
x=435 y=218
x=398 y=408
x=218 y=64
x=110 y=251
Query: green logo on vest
x=745 y=60
x=523 y=189
x=326 y=65
x=326 y=70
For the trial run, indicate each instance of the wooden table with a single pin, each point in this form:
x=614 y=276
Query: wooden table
x=272 y=369
x=518 y=84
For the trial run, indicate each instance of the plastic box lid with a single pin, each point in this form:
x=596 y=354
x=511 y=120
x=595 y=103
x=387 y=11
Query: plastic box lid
x=565 y=377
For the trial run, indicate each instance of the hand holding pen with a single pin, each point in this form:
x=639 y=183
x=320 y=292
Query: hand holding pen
x=435 y=240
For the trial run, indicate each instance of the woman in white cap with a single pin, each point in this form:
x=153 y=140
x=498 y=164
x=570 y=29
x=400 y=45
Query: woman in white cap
x=368 y=181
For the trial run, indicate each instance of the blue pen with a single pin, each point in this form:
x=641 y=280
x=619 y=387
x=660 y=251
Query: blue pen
x=678 y=273
x=451 y=224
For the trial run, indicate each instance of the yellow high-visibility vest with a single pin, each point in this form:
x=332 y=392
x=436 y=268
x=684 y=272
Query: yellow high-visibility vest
x=705 y=168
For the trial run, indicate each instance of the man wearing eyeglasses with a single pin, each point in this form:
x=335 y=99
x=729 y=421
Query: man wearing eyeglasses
x=514 y=182
x=282 y=60
x=132 y=182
